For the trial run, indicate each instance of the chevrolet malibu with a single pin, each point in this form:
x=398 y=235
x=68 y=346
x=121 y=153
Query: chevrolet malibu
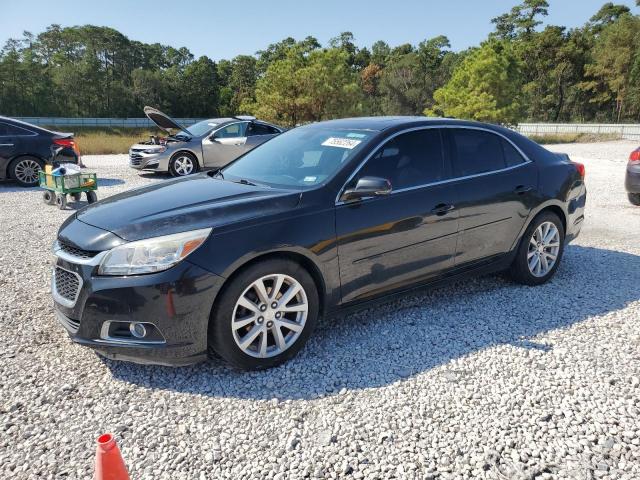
x=241 y=262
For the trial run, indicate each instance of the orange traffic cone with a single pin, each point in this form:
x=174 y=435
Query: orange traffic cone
x=109 y=462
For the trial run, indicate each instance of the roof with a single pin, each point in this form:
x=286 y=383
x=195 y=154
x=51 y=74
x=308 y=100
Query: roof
x=383 y=123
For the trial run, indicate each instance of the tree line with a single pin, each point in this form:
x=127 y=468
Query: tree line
x=521 y=72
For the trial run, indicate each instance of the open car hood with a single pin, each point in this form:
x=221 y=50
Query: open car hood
x=163 y=121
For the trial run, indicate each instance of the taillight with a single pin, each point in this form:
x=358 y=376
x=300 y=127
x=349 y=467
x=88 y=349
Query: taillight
x=634 y=158
x=67 y=142
x=580 y=168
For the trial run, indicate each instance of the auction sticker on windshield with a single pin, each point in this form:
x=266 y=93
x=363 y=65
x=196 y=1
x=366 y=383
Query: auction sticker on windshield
x=341 y=142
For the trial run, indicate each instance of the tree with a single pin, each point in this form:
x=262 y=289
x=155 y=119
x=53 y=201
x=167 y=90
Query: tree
x=521 y=20
x=485 y=86
x=612 y=77
x=609 y=13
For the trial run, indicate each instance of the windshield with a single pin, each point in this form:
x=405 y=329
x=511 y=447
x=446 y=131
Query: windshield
x=200 y=128
x=302 y=157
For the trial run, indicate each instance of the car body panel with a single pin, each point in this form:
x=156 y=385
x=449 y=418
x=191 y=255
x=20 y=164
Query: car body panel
x=31 y=140
x=210 y=151
x=357 y=252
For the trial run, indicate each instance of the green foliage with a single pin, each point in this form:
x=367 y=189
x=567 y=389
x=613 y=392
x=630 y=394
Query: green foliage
x=486 y=87
x=523 y=71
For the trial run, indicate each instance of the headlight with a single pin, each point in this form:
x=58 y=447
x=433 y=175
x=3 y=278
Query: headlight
x=152 y=254
x=155 y=150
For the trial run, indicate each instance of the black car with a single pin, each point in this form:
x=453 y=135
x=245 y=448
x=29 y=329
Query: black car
x=632 y=178
x=243 y=261
x=25 y=149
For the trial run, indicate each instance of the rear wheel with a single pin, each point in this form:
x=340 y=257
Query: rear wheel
x=183 y=164
x=92 y=197
x=24 y=170
x=540 y=250
x=265 y=315
x=76 y=196
x=634 y=198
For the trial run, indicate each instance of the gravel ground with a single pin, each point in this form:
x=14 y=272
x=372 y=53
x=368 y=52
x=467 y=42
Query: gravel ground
x=482 y=379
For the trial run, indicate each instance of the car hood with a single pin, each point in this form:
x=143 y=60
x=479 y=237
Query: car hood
x=163 y=121
x=184 y=204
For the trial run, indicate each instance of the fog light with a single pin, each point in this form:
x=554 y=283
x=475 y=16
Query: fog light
x=138 y=330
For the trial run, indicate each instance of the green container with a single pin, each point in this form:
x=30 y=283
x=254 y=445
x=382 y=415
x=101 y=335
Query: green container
x=76 y=183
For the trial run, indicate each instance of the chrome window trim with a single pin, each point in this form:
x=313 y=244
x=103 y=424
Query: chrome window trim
x=31 y=133
x=527 y=160
x=210 y=135
x=54 y=288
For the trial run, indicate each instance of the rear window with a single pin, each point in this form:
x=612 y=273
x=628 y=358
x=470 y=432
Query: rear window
x=9 y=130
x=512 y=157
x=476 y=151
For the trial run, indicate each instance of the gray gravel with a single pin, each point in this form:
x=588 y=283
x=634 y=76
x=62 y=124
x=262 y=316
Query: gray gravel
x=482 y=379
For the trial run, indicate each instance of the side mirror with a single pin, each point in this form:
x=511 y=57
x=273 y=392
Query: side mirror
x=367 y=187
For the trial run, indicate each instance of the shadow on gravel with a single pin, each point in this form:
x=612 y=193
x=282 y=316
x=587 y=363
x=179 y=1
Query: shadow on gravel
x=380 y=346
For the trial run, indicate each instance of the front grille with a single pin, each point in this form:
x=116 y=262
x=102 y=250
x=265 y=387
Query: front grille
x=135 y=158
x=67 y=284
x=75 y=251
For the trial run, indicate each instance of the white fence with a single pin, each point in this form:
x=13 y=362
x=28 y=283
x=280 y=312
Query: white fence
x=628 y=131
x=99 y=122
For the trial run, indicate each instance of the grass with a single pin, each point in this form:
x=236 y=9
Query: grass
x=93 y=141
x=573 y=138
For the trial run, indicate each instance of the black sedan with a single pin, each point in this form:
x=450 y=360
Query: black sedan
x=243 y=261
x=26 y=148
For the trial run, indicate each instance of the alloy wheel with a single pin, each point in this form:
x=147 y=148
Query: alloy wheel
x=183 y=165
x=26 y=171
x=543 y=250
x=269 y=316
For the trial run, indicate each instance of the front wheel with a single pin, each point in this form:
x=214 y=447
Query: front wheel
x=265 y=315
x=634 y=198
x=183 y=164
x=61 y=201
x=49 y=197
x=540 y=250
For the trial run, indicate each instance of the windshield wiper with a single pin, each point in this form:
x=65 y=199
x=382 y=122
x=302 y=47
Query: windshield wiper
x=218 y=174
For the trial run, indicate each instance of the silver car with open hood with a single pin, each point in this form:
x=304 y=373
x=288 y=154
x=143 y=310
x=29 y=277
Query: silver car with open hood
x=208 y=144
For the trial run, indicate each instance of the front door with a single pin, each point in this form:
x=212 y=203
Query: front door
x=7 y=144
x=224 y=145
x=496 y=191
x=409 y=235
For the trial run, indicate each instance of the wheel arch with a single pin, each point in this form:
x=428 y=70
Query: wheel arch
x=551 y=206
x=7 y=168
x=300 y=258
x=190 y=152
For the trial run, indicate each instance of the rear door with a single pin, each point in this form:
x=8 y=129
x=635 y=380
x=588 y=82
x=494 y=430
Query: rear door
x=7 y=144
x=496 y=189
x=258 y=133
x=409 y=235
x=225 y=144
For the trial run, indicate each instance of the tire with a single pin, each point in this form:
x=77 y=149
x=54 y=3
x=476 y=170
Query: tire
x=92 y=197
x=76 y=196
x=226 y=342
x=521 y=270
x=49 y=197
x=634 y=198
x=61 y=201
x=183 y=164
x=24 y=171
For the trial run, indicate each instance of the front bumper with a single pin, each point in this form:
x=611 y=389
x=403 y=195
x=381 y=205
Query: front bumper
x=158 y=162
x=632 y=179
x=176 y=302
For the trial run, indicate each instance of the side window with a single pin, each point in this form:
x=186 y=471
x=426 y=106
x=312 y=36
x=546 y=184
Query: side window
x=512 y=157
x=258 y=129
x=476 y=151
x=232 y=131
x=3 y=130
x=408 y=160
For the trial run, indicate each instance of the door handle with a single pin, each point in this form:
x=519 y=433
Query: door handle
x=442 y=209
x=522 y=189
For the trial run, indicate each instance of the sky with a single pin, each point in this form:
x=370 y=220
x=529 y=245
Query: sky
x=226 y=29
